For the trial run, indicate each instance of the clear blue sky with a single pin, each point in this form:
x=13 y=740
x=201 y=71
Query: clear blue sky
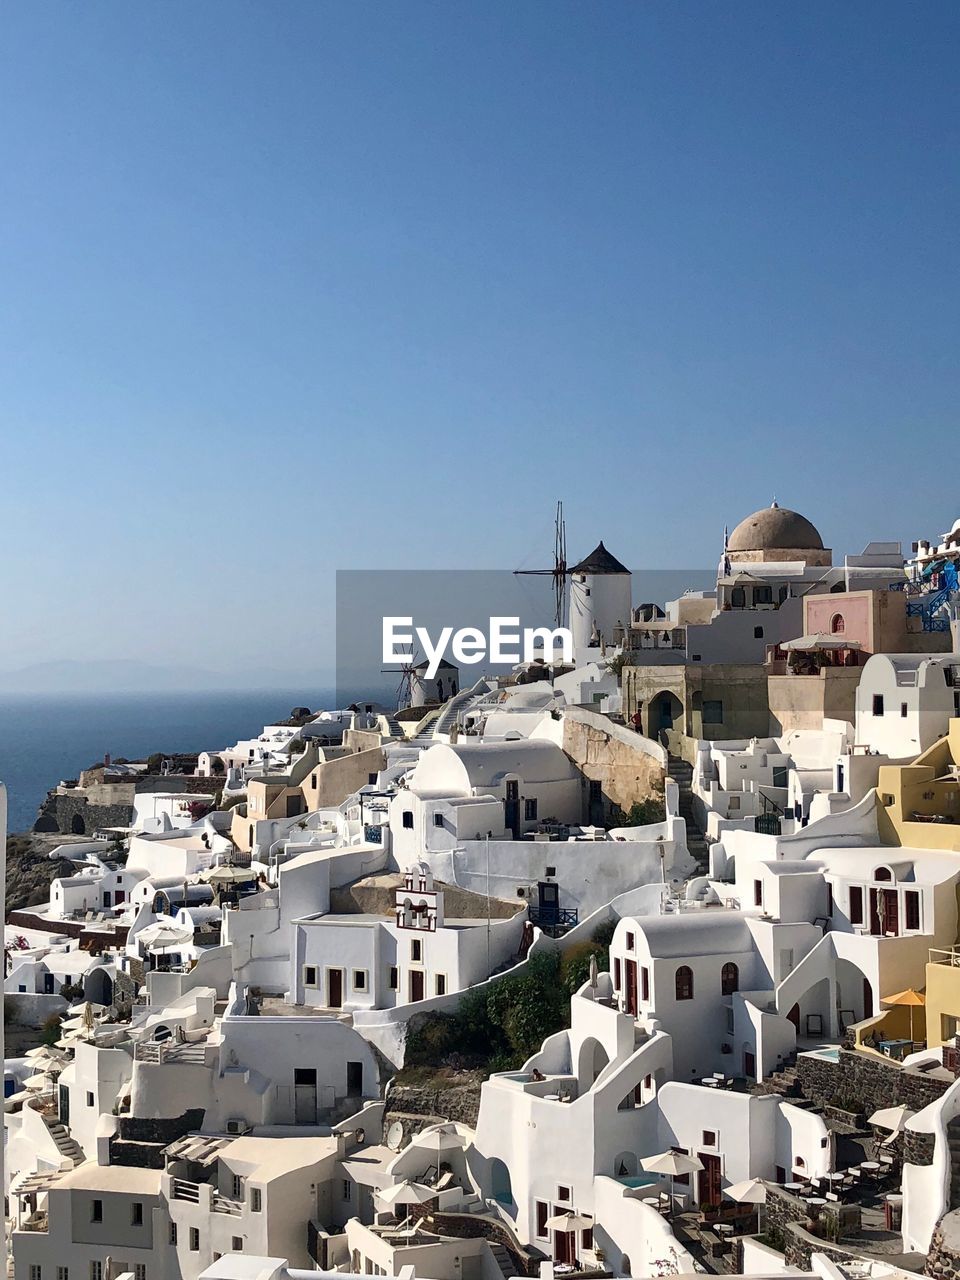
x=294 y=286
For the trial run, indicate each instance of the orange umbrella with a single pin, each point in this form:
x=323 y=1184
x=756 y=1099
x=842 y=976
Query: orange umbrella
x=911 y=998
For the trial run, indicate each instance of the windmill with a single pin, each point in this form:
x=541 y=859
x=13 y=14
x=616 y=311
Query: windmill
x=408 y=668
x=559 y=571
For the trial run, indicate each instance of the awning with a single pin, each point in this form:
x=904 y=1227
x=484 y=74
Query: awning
x=808 y=644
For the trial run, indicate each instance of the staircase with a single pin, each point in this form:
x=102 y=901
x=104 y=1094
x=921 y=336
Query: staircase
x=783 y=1082
x=68 y=1147
x=682 y=774
x=953 y=1142
x=928 y=607
x=503 y=1260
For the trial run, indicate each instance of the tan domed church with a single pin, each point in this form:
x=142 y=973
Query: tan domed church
x=776 y=535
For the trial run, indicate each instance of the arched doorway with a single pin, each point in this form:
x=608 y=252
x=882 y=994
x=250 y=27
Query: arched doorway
x=500 y=1186
x=77 y=825
x=591 y=1061
x=666 y=712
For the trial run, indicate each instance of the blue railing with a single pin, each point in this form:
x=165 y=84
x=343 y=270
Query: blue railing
x=554 y=917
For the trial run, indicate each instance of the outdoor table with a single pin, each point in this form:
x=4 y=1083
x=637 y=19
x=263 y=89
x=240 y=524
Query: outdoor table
x=793 y=1187
x=836 y=1177
x=710 y=1082
x=651 y=1200
x=870 y=1167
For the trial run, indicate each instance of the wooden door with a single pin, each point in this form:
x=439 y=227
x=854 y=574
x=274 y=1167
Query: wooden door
x=708 y=1180
x=564 y=1246
x=631 y=971
x=416 y=984
x=334 y=988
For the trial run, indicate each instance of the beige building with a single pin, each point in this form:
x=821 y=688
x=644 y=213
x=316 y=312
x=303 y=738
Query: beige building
x=712 y=701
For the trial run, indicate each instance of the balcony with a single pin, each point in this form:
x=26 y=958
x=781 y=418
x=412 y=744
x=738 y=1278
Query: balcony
x=554 y=920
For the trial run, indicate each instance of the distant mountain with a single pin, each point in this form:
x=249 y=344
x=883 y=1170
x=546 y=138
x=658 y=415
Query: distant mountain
x=126 y=675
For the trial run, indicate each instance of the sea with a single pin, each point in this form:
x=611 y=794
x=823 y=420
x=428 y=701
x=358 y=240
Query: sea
x=47 y=737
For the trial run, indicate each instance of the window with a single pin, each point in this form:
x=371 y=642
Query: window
x=371 y=779
x=63 y=1273
x=256 y=1200
x=438 y=819
x=347 y=1189
x=408 y=819
x=313 y=781
x=729 y=979
x=712 y=711
x=530 y=810
x=878 y=704
x=309 y=975
x=708 y=1138
x=96 y=1210
x=173 y=1233
x=394 y=977
x=733 y=803
x=596 y=791
x=911 y=909
x=136 y=1213
x=237 y=1185
x=36 y=1272
x=563 y=1193
x=631 y=940
x=550 y=873
x=236 y=1244
x=96 y=1270
x=780 y=775
x=416 y=950
x=440 y=984
x=543 y=1213
x=617 y=973
x=758 y=633
x=90 y=1099
x=139 y=1271
x=883 y=873
x=644 y=983
x=758 y=893
x=856 y=904
x=903 y=710
x=684 y=983
x=194 y=1239
x=681 y=1179
x=837 y=624
x=359 y=979
x=587 y=1238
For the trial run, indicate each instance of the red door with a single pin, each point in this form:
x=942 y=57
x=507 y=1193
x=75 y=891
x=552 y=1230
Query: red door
x=631 y=967
x=708 y=1180
x=564 y=1246
x=416 y=984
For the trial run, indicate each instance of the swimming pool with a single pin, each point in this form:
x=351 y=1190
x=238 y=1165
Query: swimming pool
x=828 y=1055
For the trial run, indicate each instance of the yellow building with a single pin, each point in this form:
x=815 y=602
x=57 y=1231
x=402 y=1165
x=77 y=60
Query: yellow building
x=920 y=802
x=943 y=997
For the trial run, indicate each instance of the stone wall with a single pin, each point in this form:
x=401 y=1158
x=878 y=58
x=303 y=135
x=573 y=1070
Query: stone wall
x=74 y=815
x=417 y=1106
x=869 y=1081
x=943 y=1259
x=141 y=1142
x=525 y=1262
x=626 y=773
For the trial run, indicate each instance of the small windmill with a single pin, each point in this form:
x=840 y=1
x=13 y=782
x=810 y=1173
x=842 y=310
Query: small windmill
x=408 y=670
x=559 y=571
